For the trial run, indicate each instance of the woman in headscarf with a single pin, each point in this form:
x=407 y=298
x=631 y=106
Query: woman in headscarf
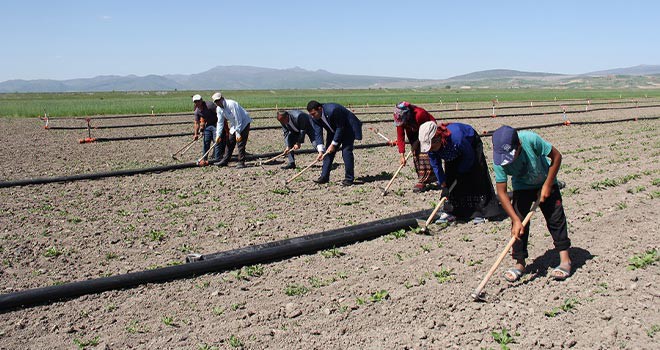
x=407 y=119
x=459 y=145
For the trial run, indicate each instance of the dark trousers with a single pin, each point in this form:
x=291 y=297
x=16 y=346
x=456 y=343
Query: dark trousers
x=289 y=141
x=555 y=219
x=209 y=134
x=231 y=143
x=347 y=154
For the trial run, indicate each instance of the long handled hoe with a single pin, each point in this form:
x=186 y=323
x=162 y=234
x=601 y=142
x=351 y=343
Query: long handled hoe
x=395 y=174
x=201 y=161
x=188 y=145
x=425 y=224
x=379 y=134
x=477 y=295
x=302 y=171
x=274 y=158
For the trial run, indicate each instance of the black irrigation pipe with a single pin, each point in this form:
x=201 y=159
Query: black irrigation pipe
x=182 y=114
x=114 y=126
x=228 y=260
x=489 y=116
x=155 y=169
x=127 y=138
x=375 y=121
x=273 y=127
x=568 y=123
x=478 y=108
x=124 y=116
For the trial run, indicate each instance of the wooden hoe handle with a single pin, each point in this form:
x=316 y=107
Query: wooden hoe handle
x=396 y=173
x=437 y=207
x=302 y=171
x=477 y=292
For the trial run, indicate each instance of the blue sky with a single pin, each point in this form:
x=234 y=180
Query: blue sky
x=417 y=39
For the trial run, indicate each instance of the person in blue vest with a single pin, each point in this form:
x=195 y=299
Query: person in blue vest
x=343 y=128
x=461 y=149
x=295 y=125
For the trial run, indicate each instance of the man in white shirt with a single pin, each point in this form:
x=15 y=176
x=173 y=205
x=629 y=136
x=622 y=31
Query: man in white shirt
x=239 y=127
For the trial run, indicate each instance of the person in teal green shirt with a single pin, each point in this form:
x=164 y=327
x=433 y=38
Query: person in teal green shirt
x=533 y=164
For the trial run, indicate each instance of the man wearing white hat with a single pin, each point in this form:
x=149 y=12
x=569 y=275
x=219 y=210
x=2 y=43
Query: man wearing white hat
x=206 y=122
x=239 y=127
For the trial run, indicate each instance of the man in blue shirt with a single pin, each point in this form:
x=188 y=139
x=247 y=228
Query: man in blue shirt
x=524 y=156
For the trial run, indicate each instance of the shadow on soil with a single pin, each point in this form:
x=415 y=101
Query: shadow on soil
x=541 y=266
x=383 y=176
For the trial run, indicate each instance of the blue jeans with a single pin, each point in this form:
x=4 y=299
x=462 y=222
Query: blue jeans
x=347 y=146
x=209 y=135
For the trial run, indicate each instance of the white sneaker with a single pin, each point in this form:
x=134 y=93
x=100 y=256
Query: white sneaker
x=479 y=220
x=445 y=218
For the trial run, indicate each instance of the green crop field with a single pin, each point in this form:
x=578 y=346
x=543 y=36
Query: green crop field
x=108 y=103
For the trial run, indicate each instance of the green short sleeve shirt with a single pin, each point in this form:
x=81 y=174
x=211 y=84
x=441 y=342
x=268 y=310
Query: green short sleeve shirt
x=530 y=169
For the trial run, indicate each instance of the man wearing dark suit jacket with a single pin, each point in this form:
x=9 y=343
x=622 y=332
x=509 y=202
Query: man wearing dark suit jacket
x=343 y=128
x=295 y=125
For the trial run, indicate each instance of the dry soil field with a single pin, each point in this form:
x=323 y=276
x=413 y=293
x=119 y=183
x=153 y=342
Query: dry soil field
x=403 y=290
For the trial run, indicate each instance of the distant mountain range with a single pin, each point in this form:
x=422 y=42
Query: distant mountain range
x=257 y=78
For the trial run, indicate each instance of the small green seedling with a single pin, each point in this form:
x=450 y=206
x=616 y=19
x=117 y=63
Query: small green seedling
x=444 y=275
x=504 y=338
x=294 y=289
x=379 y=296
x=237 y=306
x=134 y=327
x=397 y=234
x=282 y=191
x=653 y=330
x=332 y=253
x=53 y=252
x=234 y=342
x=475 y=262
x=641 y=261
x=169 y=321
x=85 y=343
x=156 y=235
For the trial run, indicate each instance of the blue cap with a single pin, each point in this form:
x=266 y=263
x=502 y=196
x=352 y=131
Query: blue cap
x=505 y=144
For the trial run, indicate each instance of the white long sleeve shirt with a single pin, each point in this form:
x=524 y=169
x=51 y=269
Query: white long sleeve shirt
x=236 y=115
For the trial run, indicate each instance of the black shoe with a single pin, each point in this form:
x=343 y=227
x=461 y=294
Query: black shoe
x=346 y=183
x=240 y=165
x=322 y=180
x=222 y=163
x=289 y=166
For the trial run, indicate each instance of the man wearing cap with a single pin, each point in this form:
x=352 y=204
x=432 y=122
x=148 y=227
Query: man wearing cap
x=206 y=122
x=239 y=127
x=295 y=125
x=460 y=146
x=343 y=128
x=533 y=164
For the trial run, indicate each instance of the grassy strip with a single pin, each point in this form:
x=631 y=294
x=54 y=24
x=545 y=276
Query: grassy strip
x=108 y=103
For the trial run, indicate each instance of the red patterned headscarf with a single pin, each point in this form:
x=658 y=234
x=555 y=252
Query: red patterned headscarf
x=442 y=135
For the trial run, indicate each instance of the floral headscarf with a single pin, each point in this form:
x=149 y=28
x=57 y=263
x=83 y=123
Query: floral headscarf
x=402 y=113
